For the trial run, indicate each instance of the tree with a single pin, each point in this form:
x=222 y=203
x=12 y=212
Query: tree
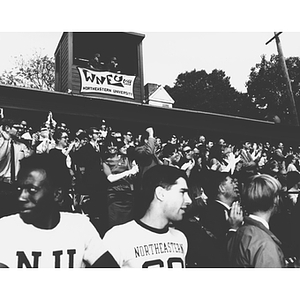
x=198 y=90
x=37 y=72
x=267 y=87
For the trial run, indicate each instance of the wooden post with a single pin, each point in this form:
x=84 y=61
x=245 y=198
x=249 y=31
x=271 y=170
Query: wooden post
x=294 y=114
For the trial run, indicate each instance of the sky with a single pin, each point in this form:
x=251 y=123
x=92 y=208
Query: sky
x=167 y=54
x=222 y=35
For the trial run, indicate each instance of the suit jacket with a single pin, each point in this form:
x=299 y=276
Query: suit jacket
x=214 y=219
x=91 y=160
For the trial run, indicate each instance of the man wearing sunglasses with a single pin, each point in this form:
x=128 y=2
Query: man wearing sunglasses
x=188 y=159
x=40 y=236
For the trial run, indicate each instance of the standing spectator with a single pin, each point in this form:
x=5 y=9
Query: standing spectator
x=221 y=143
x=291 y=164
x=170 y=155
x=11 y=153
x=120 y=194
x=128 y=139
x=60 y=156
x=201 y=141
x=149 y=241
x=280 y=157
x=293 y=186
x=45 y=141
x=245 y=154
x=96 y=63
x=41 y=236
x=254 y=245
x=173 y=139
x=103 y=130
x=113 y=65
x=94 y=183
x=188 y=160
x=262 y=160
x=222 y=193
x=144 y=153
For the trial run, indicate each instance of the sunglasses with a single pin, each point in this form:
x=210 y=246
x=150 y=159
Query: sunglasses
x=187 y=151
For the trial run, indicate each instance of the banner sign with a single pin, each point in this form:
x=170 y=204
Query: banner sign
x=106 y=82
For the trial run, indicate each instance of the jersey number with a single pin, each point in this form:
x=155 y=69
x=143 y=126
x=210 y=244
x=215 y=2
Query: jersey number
x=160 y=263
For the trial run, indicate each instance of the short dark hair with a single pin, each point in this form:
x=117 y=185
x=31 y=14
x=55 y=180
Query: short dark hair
x=214 y=180
x=159 y=175
x=57 y=174
x=58 y=133
x=169 y=149
x=113 y=140
x=7 y=122
x=292 y=178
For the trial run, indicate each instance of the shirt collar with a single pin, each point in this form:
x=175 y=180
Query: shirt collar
x=224 y=204
x=259 y=219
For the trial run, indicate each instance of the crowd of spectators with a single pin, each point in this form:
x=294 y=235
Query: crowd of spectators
x=106 y=168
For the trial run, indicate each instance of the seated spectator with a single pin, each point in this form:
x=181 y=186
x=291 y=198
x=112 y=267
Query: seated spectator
x=253 y=244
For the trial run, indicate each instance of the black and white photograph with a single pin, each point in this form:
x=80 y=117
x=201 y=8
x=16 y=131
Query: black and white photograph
x=133 y=146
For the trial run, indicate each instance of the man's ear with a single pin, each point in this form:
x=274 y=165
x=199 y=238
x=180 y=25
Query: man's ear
x=221 y=188
x=160 y=193
x=58 y=193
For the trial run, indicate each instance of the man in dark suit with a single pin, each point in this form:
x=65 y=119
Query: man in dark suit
x=93 y=181
x=222 y=192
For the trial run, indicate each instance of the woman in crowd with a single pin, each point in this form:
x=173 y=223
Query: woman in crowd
x=119 y=172
x=170 y=155
x=291 y=164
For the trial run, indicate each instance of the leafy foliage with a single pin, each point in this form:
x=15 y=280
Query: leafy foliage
x=198 y=90
x=268 y=89
x=37 y=72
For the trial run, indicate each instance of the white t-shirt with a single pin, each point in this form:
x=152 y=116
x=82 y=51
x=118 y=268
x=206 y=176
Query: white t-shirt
x=72 y=243
x=136 y=245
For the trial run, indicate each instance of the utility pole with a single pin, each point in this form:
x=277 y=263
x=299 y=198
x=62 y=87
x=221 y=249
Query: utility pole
x=294 y=114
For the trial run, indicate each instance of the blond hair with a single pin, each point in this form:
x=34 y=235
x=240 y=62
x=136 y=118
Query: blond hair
x=260 y=193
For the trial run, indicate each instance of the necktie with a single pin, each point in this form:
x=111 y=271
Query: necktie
x=12 y=166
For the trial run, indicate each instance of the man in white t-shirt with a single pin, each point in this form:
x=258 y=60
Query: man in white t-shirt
x=41 y=236
x=149 y=241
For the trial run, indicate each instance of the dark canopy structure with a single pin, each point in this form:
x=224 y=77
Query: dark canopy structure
x=81 y=111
